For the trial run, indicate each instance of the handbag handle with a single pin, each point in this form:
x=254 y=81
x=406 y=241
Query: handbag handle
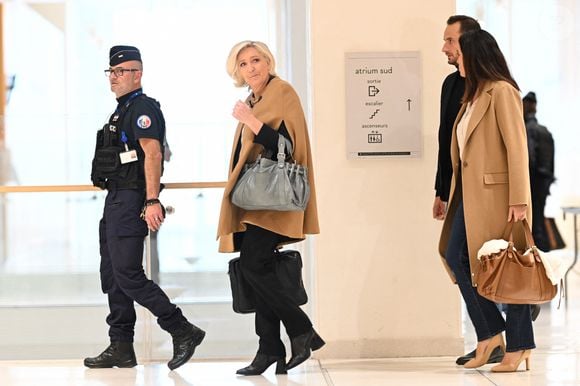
x=507 y=234
x=530 y=243
x=283 y=142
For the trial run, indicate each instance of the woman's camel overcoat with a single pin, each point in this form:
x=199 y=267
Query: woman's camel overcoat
x=279 y=102
x=494 y=170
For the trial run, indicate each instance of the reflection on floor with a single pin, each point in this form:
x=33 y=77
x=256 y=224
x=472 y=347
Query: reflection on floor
x=556 y=361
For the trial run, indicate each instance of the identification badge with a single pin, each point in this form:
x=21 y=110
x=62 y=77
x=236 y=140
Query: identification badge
x=128 y=156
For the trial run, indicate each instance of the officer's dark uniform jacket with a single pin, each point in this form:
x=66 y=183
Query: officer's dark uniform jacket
x=137 y=116
x=541 y=154
x=541 y=150
x=121 y=229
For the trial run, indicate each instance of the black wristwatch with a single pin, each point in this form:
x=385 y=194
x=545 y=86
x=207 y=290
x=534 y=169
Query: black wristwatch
x=152 y=201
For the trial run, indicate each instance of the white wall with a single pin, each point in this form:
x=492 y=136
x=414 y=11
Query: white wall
x=380 y=286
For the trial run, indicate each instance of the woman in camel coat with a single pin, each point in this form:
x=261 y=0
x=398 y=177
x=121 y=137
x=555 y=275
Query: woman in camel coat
x=272 y=108
x=490 y=187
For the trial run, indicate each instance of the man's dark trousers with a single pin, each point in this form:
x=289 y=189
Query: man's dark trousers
x=121 y=235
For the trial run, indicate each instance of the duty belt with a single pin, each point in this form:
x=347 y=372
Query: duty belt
x=119 y=185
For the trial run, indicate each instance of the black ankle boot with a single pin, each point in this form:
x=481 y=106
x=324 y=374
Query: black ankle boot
x=118 y=354
x=317 y=342
x=301 y=346
x=185 y=340
x=261 y=362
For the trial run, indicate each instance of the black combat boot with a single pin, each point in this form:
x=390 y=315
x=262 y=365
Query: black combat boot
x=185 y=340
x=118 y=354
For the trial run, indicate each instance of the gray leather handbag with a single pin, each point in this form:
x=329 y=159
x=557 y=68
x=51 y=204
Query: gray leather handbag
x=273 y=185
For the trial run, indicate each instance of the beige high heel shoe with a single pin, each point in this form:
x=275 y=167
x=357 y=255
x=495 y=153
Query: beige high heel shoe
x=512 y=367
x=480 y=360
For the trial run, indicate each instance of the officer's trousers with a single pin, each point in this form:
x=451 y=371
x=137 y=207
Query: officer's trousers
x=121 y=236
x=273 y=304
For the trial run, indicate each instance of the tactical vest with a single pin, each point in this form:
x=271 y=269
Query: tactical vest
x=107 y=169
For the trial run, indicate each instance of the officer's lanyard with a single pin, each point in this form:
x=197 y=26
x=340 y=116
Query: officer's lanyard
x=121 y=111
x=124 y=139
x=128 y=102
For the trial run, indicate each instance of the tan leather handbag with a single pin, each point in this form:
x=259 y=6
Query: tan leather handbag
x=514 y=277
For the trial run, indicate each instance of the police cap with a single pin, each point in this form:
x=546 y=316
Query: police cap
x=120 y=54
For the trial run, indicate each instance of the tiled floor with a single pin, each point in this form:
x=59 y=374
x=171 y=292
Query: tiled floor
x=556 y=361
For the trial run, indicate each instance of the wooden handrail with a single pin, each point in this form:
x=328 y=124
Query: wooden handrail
x=85 y=188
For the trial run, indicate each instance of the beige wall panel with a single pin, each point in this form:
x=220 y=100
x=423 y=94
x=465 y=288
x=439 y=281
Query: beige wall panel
x=381 y=289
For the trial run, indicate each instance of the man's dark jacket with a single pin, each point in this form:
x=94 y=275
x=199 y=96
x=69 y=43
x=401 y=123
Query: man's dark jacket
x=451 y=94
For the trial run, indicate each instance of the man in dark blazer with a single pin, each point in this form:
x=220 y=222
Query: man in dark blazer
x=451 y=94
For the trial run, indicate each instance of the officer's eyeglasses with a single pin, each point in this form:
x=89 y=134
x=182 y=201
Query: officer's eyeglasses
x=119 y=71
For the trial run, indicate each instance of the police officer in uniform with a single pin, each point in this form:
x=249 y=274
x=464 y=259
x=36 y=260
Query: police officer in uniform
x=541 y=153
x=128 y=162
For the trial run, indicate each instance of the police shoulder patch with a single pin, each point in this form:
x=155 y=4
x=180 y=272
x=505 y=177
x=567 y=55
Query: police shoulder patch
x=144 y=122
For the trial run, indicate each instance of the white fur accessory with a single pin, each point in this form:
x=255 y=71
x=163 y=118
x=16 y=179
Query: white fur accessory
x=491 y=247
x=554 y=264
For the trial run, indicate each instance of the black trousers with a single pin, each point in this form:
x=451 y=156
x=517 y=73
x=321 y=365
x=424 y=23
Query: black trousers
x=121 y=235
x=273 y=305
x=540 y=191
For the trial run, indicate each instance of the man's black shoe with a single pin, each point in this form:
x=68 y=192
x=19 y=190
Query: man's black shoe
x=465 y=358
x=185 y=340
x=495 y=357
x=535 y=311
x=118 y=354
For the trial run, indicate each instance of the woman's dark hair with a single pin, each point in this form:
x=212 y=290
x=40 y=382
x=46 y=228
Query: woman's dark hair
x=482 y=62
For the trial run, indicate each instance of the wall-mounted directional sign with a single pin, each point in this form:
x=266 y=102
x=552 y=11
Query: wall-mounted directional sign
x=383 y=104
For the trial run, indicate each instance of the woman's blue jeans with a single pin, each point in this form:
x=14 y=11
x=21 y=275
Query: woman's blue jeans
x=484 y=314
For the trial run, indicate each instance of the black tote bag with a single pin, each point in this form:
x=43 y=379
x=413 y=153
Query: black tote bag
x=288 y=268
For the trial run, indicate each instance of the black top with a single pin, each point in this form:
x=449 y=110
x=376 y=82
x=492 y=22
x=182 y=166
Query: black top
x=451 y=94
x=266 y=137
x=540 y=150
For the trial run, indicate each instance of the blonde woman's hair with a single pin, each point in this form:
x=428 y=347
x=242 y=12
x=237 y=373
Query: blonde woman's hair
x=232 y=62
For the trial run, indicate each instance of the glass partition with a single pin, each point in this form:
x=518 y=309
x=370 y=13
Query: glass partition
x=49 y=276
x=50 y=248
x=185 y=256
